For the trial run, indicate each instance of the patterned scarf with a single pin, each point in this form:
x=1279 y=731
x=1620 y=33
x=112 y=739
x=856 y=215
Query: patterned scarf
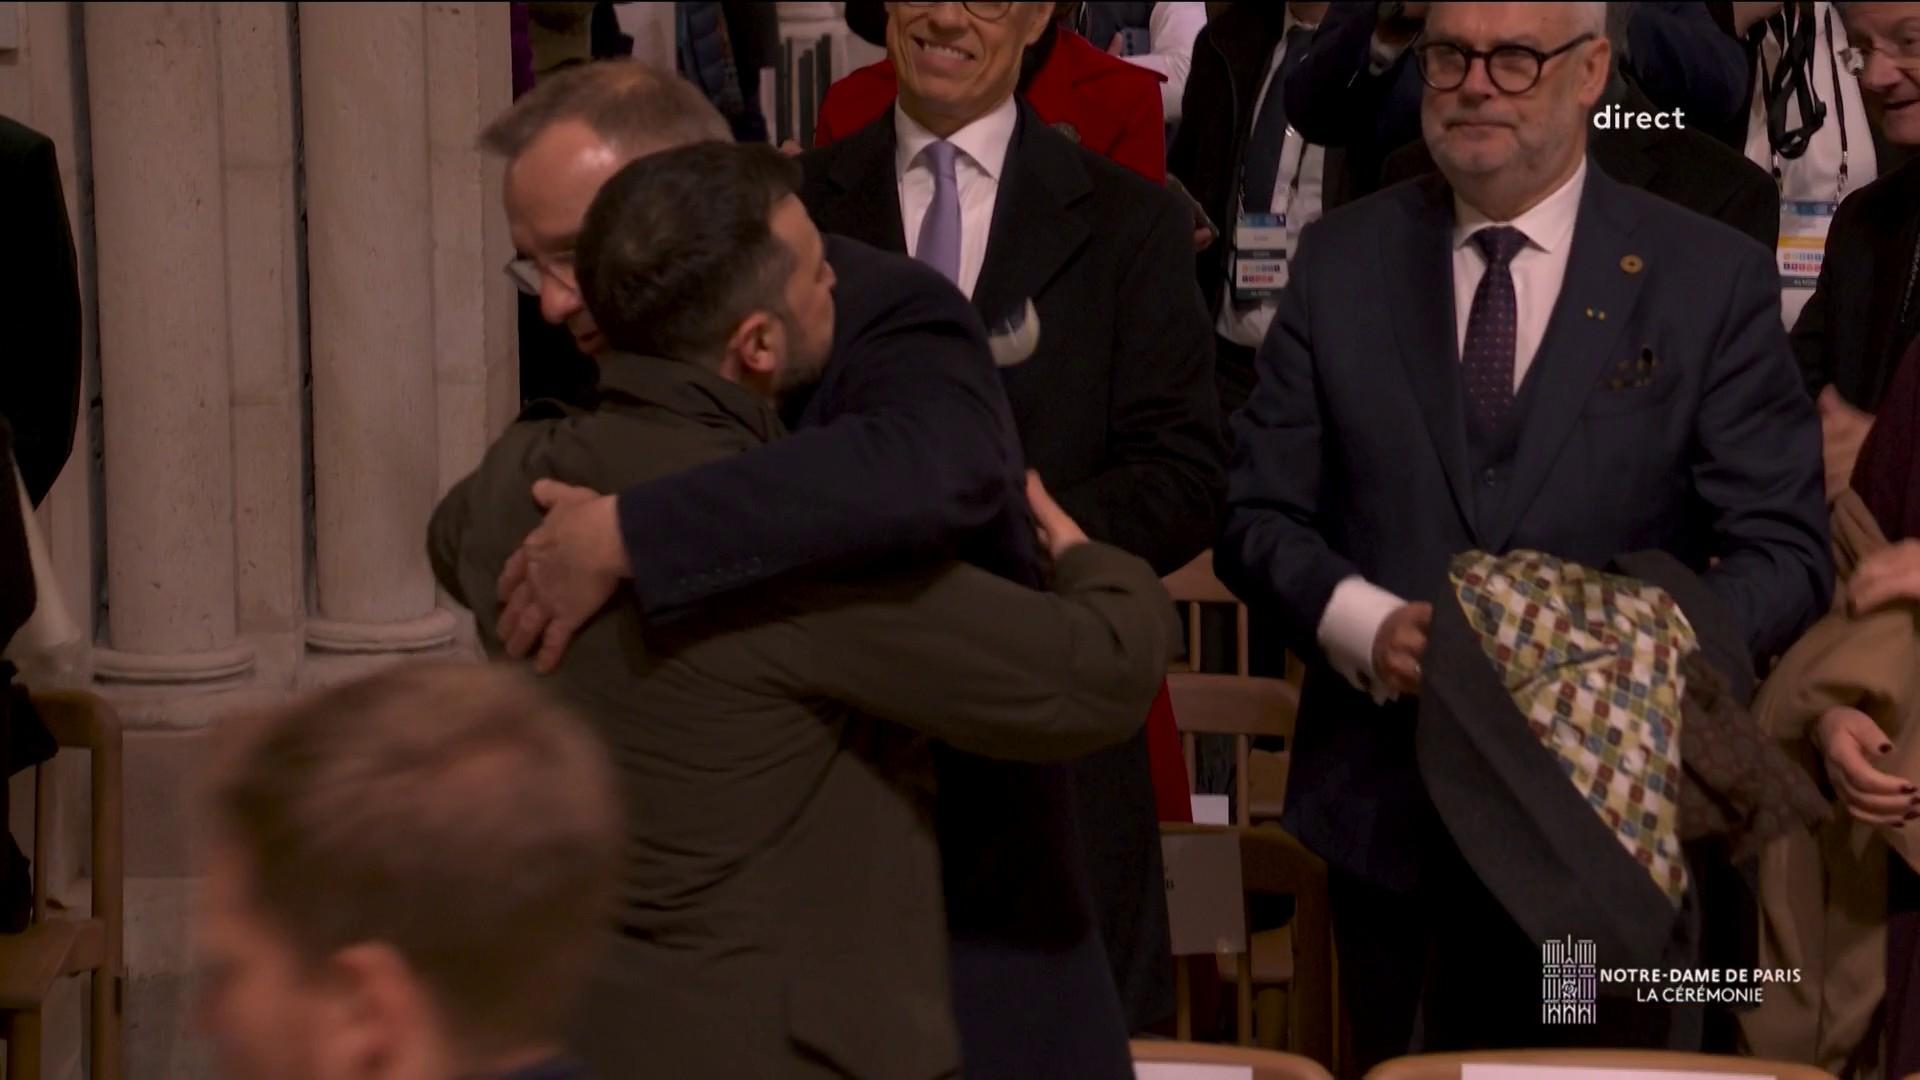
x=1592 y=661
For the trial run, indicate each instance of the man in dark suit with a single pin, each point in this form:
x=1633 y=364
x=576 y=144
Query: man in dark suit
x=906 y=447
x=782 y=911
x=1562 y=364
x=1116 y=409
x=1865 y=308
x=39 y=307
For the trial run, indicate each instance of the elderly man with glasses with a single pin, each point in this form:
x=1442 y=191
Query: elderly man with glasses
x=1518 y=354
x=1865 y=308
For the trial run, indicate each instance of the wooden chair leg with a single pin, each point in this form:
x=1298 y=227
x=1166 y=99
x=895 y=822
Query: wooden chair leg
x=1183 y=999
x=23 y=1045
x=106 y=1023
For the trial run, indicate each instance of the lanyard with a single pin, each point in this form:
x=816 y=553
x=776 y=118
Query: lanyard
x=1811 y=103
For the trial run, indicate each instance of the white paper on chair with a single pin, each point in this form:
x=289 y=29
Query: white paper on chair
x=1166 y=1070
x=1212 y=810
x=1590 y=1073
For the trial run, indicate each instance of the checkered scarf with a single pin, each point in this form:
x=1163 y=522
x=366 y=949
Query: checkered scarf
x=1592 y=661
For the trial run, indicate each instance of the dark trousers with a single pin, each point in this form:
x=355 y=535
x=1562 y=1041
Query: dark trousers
x=1444 y=968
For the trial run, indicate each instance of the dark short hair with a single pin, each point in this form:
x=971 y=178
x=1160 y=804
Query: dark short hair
x=634 y=106
x=452 y=811
x=678 y=248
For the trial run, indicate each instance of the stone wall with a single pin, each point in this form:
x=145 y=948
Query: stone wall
x=298 y=336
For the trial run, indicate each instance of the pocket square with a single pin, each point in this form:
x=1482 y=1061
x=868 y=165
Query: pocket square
x=1633 y=372
x=1013 y=341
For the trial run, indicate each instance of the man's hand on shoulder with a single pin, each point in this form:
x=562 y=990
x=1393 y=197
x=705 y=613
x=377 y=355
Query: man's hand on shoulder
x=563 y=574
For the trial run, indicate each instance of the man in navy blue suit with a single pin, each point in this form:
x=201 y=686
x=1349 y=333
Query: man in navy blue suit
x=1565 y=364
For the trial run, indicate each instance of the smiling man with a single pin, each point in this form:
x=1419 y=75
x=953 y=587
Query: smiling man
x=1565 y=365
x=1117 y=410
x=1863 y=314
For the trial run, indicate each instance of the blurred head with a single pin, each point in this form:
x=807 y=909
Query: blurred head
x=409 y=877
x=1885 y=44
x=958 y=62
x=562 y=140
x=704 y=254
x=1502 y=143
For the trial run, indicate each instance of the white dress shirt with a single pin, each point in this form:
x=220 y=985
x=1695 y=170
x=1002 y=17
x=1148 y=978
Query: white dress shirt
x=1171 y=32
x=1357 y=608
x=977 y=169
x=1248 y=326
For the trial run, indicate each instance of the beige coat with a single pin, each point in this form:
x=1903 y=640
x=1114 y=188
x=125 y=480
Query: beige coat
x=1823 y=893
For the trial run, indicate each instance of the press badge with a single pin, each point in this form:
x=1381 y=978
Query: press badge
x=1259 y=257
x=1803 y=242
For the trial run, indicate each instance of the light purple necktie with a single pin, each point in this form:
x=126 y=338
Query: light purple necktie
x=939 y=245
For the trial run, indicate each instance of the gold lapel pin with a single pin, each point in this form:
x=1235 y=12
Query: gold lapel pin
x=1632 y=264
x=1589 y=313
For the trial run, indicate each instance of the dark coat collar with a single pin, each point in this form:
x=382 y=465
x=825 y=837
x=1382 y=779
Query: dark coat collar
x=629 y=382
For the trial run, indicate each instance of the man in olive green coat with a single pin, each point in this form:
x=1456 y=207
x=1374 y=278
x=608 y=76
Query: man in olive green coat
x=781 y=911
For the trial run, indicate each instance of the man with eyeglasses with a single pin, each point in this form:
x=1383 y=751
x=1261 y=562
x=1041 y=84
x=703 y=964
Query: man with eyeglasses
x=1518 y=354
x=1865 y=308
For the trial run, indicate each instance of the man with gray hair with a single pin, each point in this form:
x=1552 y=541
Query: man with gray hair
x=1571 y=367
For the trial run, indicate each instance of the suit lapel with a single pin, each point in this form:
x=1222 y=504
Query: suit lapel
x=866 y=206
x=1417 y=260
x=1035 y=230
x=1596 y=301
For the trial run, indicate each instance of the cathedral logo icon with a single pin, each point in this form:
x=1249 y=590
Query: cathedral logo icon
x=1569 y=982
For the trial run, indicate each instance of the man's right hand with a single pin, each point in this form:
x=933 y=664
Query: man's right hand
x=1400 y=646
x=1843 y=429
x=1058 y=532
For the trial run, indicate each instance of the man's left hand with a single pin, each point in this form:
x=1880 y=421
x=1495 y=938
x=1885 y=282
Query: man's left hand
x=1885 y=577
x=563 y=574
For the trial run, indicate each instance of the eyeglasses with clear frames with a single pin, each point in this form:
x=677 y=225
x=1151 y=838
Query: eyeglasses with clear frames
x=989 y=12
x=528 y=274
x=1904 y=54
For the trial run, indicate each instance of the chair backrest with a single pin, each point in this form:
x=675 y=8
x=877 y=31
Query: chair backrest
x=1273 y=863
x=1266 y=1064
x=1242 y=706
x=1447 y=1066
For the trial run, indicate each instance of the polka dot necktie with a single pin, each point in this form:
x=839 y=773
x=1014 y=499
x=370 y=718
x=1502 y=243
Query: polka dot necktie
x=1487 y=360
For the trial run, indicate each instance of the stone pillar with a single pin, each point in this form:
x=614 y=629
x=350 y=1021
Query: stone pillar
x=474 y=309
x=160 y=234
x=371 y=302
x=264 y=289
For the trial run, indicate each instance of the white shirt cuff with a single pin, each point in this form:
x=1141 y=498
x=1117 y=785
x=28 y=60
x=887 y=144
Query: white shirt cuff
x=1380 y=56
x=1348 y=629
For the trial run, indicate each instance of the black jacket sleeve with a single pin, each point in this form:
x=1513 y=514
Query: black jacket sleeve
x=40 y=306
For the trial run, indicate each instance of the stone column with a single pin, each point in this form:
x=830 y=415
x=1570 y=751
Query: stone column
x=474 y=309
x=264 y=287
x=160 y=234
x=370 y=293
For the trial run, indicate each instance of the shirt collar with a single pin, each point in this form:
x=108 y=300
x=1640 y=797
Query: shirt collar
x=984 y=141
x=1549 y=225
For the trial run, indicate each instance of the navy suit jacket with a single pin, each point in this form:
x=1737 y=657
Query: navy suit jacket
x=920 y=461
x=1352 y=457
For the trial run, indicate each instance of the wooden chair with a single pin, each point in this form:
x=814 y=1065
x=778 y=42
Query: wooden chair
x=1242 y=706
x=1299 y=956
x=54 y=947
x=1266 y=1064
x=1447 y=1066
